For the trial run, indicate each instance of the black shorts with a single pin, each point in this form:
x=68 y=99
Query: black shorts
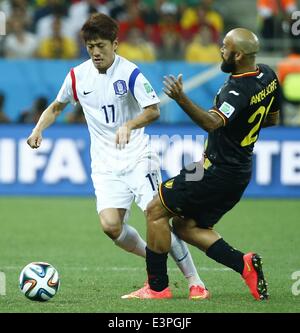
x=205 y=201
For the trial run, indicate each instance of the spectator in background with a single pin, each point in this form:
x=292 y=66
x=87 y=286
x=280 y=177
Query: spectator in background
x=194 y=17
x=272 y=13
x=289 y=6
x=45 y=8
x=15 y=9
x=167 y=24
x=19 y=43
x=131 y=18
x=58 y=46
x=33 y=114
x=289 y=65
x=2 y=37
x=44 y=25
x=150 y=12
x=80 y=11
x=136 y=48
x=5 y=7
x=288 y=70
x=3 y=116
x=118 y=10
x=202 y=48
x=172 y=46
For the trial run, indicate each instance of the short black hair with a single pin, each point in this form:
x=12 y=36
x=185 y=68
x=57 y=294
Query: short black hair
x=100 y=26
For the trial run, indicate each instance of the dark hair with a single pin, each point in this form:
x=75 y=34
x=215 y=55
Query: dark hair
x=100 y=26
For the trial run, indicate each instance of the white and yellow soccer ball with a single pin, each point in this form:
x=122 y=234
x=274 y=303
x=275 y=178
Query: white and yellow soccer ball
x=39 y=281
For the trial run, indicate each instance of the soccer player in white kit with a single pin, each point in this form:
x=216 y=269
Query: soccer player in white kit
x=118 y=102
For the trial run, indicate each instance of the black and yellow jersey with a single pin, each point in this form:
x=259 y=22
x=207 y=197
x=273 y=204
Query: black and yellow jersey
x=243 y=103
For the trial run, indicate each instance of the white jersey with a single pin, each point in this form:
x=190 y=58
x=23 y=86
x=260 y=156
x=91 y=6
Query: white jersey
x=109 y=101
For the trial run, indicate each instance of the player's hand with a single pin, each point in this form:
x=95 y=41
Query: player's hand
x=35 y=139
x=123 y=136
x=173 y=87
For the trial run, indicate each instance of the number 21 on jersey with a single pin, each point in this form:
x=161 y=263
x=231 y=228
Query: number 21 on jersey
x=261 y=112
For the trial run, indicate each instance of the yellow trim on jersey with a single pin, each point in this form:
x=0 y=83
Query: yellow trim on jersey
x=162 y=200
x=207 y=163
x=219 y=114
x=169 y=183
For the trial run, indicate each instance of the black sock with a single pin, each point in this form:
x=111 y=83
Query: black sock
x=225 y=254
x=157 y=270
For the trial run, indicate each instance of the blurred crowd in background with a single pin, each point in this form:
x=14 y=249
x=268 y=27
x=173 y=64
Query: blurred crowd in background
x=150 y=30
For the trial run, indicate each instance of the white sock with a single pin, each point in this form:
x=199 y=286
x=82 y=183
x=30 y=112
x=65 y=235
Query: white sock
x=130 y=241
x=182 y=256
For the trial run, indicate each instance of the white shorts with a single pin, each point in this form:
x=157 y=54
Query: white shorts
x=118 y=190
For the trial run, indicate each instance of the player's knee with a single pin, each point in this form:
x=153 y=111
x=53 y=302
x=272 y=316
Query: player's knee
x=150 y=214
x=152 y=211
x=112 y=230
x=160 y=224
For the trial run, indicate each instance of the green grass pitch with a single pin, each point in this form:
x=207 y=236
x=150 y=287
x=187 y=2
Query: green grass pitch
x=95 y=273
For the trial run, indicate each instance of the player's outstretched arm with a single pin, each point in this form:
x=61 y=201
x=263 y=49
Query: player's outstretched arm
x=47 y=118
x=173 y=87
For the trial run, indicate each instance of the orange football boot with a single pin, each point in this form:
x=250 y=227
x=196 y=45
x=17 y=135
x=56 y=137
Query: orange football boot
x=254 y=276
x=198 y=292
x=147 y=292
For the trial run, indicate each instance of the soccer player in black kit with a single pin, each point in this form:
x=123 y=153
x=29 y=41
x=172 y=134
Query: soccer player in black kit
x=248 y=101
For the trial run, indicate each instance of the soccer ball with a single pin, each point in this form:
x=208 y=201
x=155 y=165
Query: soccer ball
x=39 y=281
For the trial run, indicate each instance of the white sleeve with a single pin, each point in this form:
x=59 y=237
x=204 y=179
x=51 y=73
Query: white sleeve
x=65 y=94
x=143 y=92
